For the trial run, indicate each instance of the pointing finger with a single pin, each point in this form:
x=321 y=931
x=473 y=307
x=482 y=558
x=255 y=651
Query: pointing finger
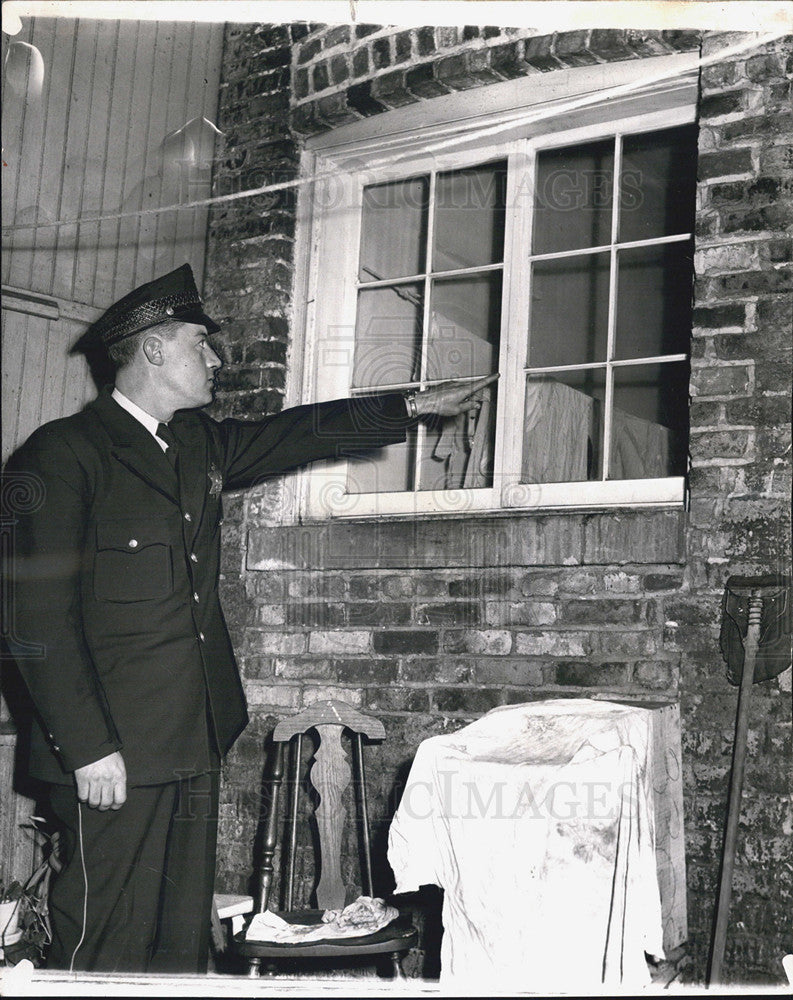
x=480 y=383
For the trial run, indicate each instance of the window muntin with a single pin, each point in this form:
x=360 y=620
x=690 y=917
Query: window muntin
x=602 y=302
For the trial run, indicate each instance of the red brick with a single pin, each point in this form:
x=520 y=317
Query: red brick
x=538 y=53
x=725 y=380
x=608 y=612
x=467 y=700
x=415 y=641
x=593 y=675
x=716 y=105
x=722 y=163
x=364 y=671
x=391 y=699
x=449 y=613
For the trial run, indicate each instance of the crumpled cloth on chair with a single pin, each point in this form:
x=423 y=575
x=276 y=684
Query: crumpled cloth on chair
x=537 y=821
x=365 y=916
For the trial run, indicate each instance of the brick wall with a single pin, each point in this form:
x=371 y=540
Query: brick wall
x=740 y=487
x=623 y=604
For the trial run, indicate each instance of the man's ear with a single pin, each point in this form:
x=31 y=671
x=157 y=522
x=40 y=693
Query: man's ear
x=152 y=349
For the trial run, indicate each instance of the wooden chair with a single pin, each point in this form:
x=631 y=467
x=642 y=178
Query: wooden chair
x=330 y=776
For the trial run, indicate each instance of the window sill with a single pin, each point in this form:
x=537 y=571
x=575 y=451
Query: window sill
x=570 y=537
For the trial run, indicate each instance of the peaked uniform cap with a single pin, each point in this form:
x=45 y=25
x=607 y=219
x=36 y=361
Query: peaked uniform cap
x=174 y=296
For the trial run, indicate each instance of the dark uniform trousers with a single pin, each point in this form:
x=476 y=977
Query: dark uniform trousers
x=133 y=894
x=116 y=577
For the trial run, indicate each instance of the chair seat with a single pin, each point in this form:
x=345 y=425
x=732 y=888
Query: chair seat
x=399 y=935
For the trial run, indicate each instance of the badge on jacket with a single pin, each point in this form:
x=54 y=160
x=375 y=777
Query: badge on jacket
x=215 y=480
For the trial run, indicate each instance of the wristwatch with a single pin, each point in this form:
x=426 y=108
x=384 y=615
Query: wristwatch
x=410 y=399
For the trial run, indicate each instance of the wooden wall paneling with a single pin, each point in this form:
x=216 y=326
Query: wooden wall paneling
x=115 y=232
x=56 y=348
x=94 y=166
x=24 y=131
x=134 y=161
x=179 y=225
x=13 y=353
x=32 y=387
x=13 y=124
x=13 y=114
x=176 y=104
x=44 y=188
x=146 y=260
x=81 y=100
x=118 y=39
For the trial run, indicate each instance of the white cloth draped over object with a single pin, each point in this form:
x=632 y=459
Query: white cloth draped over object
x=537 y=821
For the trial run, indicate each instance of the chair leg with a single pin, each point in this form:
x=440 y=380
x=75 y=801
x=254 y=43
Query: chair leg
x=396 y=962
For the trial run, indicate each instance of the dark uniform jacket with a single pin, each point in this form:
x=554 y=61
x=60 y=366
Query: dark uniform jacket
x=116 y=577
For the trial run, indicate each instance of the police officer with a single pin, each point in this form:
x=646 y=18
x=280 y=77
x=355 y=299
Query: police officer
x=137 y=693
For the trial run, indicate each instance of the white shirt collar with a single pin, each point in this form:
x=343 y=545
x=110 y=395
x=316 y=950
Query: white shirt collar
x=149 y=422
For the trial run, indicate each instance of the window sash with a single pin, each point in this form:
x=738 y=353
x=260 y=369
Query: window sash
x=329 y=480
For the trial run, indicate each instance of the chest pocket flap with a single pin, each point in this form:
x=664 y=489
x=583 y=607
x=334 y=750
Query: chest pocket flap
x=133 y=561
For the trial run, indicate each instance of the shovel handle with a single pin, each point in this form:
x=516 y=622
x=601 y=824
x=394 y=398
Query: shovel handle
x=736 y=789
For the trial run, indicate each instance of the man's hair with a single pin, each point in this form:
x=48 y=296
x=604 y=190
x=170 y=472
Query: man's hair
x=123 y=352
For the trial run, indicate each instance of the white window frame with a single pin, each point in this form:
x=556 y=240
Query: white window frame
x=512 y=121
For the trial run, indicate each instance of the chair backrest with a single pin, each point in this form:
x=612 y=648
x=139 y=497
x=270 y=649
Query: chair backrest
x=330 y=775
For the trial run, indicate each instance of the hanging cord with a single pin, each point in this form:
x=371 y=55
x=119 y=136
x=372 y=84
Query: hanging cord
x=448 y=142
x=85 y=883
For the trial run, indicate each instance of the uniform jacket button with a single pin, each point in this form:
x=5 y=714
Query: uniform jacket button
x=133 y=543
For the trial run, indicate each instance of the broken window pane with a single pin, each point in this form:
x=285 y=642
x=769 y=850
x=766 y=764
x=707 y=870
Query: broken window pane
x=388 y=336
x=394 y=229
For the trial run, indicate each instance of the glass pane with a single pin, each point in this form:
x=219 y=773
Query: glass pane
x=465 y=323
x=649 y=431
x=654 y=301
x=469 y=217
x=458 y=452
x=388 y=336
x=573 y=199
x=657 y=183
x=562 y=430
x=394 y=229
x=385 y=470
x=569 y=311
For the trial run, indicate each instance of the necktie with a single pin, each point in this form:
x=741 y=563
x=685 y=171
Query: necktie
x=164 y=433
